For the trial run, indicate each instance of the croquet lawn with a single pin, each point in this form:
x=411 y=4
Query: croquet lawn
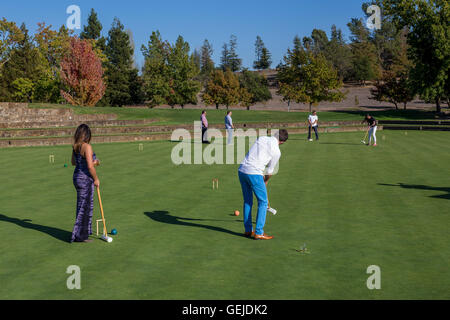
x=353 y=206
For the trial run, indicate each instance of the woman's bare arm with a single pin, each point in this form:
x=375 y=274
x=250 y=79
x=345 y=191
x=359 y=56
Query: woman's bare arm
x=73 y=158
x=88 y=153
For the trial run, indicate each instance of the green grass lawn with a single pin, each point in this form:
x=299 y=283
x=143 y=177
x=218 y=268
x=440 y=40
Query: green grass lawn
x=183 y=116
x=352 y=205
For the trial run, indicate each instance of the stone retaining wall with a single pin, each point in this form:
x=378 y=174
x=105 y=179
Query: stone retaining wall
x=104 y=130
x=145 y=137
x=20 y=113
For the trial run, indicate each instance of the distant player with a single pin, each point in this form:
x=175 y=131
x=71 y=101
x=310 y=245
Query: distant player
x=313 y=121
x=372 y=122
x=264 y=153
x=204 y=127
x=229 y=126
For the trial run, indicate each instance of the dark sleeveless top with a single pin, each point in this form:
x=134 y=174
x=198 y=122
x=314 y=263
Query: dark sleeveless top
x=81 y=165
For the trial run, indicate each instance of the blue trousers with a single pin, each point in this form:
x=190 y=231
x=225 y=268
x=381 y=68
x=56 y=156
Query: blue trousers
x=254 y=184
x=316 y=132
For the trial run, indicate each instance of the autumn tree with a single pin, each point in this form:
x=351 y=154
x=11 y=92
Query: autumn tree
x=82 y=74
x=224 y=89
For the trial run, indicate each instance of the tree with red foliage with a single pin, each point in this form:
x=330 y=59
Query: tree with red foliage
x=82 y=74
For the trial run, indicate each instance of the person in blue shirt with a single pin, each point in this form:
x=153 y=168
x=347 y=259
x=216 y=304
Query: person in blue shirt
x=229 y=126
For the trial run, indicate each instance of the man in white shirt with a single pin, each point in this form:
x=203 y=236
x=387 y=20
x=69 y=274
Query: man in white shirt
x=313 y=120
x=229 y=126
x=254 y=173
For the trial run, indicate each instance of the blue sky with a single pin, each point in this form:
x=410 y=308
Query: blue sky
x=276 y=21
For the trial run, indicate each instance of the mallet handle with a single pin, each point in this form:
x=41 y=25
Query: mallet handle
x=101 y=209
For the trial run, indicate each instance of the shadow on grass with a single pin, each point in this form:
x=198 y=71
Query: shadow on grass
x=422 y=187
x=165 y=217
x=56 y=233
x=343 y=143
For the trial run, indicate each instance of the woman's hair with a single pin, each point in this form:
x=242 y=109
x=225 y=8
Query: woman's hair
x=82 y=135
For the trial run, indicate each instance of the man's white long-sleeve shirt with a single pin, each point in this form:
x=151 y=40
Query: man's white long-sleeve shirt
x=264 y=153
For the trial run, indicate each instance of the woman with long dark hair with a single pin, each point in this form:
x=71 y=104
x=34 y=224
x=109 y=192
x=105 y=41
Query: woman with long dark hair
x=84 y=180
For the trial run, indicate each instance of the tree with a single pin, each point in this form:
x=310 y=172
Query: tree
x=93 y=31
x=10 y=37
x=428 y=40
x=197 y=58
x=206 y=63
x=119 y=71
x=263 y=56
x=24 y=61
x=224 y=59
x=53 y=45
x=308 y=78
x=224 y=88
x=394 y=86
x=156 y=74
x=230 y=59
x=339 y=54
x=82 y=73
x=256 y=85
x=365 y=63
x=23 y=90
x=393 y=89
x=182 y=73
x=319 y=41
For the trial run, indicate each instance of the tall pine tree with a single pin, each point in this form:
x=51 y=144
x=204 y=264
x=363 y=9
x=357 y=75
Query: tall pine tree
x=263 y=56
x=206 y=62
x=119 y=72
x=156 y=74
x=182 y=72
x=93 y=31
x=230 y=59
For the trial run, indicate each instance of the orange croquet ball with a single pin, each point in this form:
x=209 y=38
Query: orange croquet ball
x=236 y=213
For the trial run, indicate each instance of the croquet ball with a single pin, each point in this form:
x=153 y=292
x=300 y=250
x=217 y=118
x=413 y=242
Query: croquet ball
x=65 y=166
x=113 y=231
x=236 y=213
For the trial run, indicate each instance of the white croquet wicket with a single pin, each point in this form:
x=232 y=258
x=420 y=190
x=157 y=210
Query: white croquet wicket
x=97 y=221
x=215 y=184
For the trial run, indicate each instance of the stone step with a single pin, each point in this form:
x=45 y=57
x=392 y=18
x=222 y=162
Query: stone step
x=416 y=127
x=415 y=122
x=73 y=124
x=68 y=140
x=115 y=130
